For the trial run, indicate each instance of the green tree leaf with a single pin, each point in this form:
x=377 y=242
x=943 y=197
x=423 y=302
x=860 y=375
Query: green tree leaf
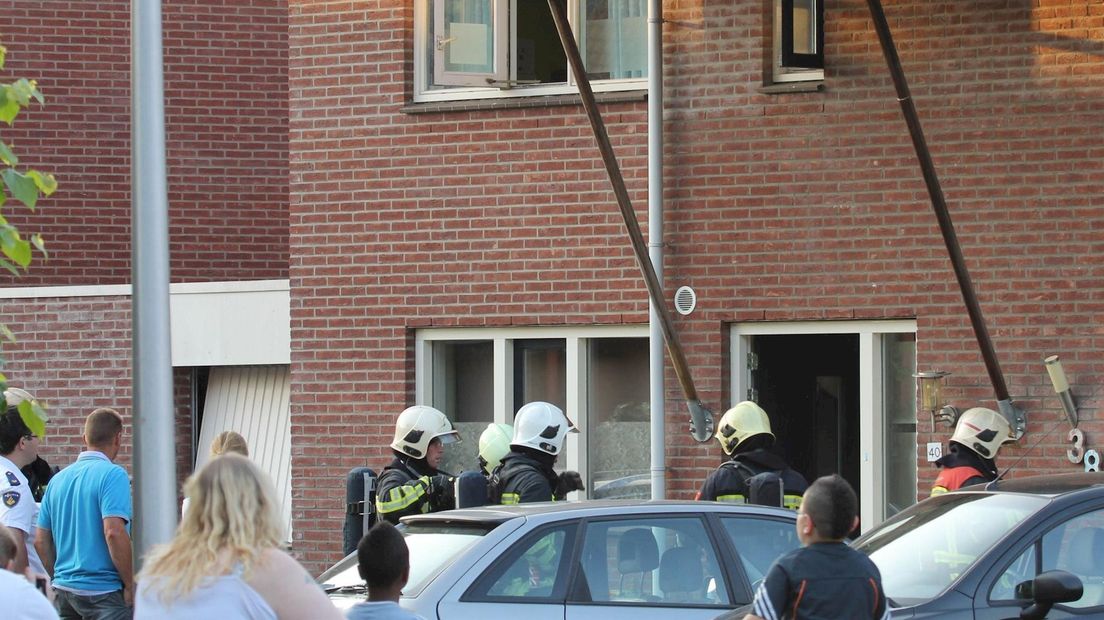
x=7 y=156
x=7 y=333
x=9 y=107
x=22 y=188
x=46 y=183
x=3 y=55
x=19 y=252
x=40 y=243
x=22 y=90
x=10 y=267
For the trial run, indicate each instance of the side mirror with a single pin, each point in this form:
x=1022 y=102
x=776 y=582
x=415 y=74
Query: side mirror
x=1053 y=586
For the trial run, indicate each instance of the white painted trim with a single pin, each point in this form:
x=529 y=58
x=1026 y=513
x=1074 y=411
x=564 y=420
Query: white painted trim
x=526 y=333
x=889 y=326
x=124 y=290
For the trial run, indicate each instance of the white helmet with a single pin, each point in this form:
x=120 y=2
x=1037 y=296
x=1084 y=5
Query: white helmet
x=541 y=426
x=743 y=421
x=982 y=430
x=419 y=425
x=494 y=443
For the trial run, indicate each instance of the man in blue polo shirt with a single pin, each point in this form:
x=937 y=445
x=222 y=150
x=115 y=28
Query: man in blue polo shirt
x=84 y=528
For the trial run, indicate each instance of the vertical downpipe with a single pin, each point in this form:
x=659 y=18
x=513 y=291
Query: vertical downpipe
x=655 y=244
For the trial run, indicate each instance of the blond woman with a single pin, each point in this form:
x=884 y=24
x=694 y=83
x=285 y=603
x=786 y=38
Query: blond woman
x=226 y=442
x=225 y=561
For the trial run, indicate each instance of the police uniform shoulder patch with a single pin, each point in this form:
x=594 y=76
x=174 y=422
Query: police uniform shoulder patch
x=11 y=498
x=12 y=478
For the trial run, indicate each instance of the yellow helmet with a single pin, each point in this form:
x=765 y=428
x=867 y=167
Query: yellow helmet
x=494 y=443
x=741 y=422
x=417 y=426
x=982 y=430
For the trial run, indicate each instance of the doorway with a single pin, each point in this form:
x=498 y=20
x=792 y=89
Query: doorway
x=809 y=385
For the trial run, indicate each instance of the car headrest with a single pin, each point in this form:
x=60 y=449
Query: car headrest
x=680 y=570
x=637 y=551
x=1086 y=551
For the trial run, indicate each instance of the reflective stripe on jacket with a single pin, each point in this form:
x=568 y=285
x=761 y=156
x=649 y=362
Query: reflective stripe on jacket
x=401 y=492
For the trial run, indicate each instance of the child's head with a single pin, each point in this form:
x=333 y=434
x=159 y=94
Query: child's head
x=383 y=558
x=829 y=511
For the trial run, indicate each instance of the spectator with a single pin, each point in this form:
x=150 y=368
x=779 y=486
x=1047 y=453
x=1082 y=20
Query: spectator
x=225 y=561
x=226 y=442
x=84 y=527
x=20 y=435
x=383 y=561
x=18 y=595
x=825 y=578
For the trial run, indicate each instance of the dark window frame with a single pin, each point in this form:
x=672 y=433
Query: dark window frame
x=791 y=59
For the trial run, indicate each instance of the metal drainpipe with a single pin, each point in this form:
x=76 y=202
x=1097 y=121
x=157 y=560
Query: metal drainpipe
x=655 y=243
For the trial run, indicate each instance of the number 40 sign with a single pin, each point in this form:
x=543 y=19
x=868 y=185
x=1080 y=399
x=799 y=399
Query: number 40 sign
x=1078 y=454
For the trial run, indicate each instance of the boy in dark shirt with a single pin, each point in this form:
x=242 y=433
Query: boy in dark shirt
x=825 y=578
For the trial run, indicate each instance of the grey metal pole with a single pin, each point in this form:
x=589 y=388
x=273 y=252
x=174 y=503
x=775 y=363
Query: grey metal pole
x=154 y=444
x=656 y=356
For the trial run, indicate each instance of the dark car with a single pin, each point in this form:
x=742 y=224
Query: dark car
x=994 y=551
x=989 y=551
x=600 y=559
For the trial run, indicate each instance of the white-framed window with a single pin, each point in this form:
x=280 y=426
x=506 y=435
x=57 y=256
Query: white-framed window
x=598 y=375
x=841 y=398
x=480 y=49
x=798 y=40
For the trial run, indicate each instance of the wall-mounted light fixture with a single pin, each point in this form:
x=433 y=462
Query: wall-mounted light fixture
x=1062 y=388
x=931 y=398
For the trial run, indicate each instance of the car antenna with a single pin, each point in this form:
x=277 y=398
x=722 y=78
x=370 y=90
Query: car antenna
x=992 y=484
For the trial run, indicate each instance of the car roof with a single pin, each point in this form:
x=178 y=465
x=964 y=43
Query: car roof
x=586 y=508
x=1049 y=485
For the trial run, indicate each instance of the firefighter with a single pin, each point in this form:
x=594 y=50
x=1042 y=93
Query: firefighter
x=526 y=473
x=971 y=458
x=494 y=443
x=412 y=484
x=752 y=475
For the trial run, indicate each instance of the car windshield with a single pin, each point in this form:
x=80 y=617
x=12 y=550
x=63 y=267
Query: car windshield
x=432 y=548
x=921 y=551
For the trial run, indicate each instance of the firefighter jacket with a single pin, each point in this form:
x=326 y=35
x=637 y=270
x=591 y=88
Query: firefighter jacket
x=729 y=482
x=526 y=476
x=410 y=487
x=961 y=467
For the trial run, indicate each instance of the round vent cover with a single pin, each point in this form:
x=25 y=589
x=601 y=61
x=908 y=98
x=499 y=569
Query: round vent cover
x=685 y=300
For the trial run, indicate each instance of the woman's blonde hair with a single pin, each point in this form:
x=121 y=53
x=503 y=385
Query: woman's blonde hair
x=229 y=441
x=231 y=519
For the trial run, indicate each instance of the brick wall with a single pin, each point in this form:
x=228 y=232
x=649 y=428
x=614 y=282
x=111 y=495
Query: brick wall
x=74 y=354
x=798 y=206
x=225 y=77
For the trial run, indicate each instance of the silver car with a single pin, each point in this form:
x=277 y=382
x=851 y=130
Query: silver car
x=573 y=560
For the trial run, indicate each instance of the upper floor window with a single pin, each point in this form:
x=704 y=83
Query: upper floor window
x=472 y=49
x=798 y=40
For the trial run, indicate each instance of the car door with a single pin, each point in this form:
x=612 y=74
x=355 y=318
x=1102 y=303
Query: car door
x=526 y=579
x=648 y=566
x=1073 y=542
x=758 y=542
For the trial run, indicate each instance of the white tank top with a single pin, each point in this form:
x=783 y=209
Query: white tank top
x=227 y=597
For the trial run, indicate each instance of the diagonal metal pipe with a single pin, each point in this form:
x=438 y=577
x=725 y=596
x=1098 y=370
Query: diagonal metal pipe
x=701 y=420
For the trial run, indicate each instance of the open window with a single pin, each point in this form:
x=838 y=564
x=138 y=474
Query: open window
x=470 y=49
x=798 y=40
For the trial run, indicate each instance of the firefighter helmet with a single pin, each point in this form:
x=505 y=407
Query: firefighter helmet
x=494 y=443
x=738 y=424
x=982 y=430
x=419 y=425
x=541 y=426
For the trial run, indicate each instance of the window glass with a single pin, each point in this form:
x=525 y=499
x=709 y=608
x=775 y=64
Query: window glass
x=650 y=562
x=463 y=388
x=804 y=26
x=535 y=569
x=1020 y=570
x=1077 y=546
x=760 y=542
x=618 y=431
x=899 y=394
x=615 y=39
x=540 y=372
x=540 y=57
x=468 y=37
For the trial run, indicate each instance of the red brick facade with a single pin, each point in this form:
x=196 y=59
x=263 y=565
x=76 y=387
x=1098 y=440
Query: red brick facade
x=226 y=134
x=793 y=206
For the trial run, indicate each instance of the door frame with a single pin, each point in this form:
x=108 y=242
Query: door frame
x=872 y=413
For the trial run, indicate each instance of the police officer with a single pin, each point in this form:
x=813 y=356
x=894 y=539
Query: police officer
x=526 y=474
x=745 y=435
x=971 y=456
x=412 y=484
x=20 y=438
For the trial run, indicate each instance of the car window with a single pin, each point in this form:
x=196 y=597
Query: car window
x=533 y=570
x=656 y=561
x=923 y=550
x=759 y=542
x=1076 y=546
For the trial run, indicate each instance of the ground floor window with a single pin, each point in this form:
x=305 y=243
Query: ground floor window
x=597 y=375
x=842 y=399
